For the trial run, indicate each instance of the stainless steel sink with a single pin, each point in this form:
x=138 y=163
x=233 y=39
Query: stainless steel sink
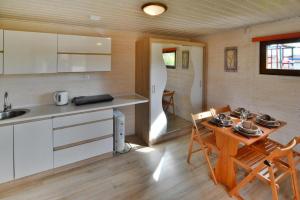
x=12 y=113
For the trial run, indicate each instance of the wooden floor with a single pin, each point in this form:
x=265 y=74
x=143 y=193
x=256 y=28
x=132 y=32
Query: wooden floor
x=175 y=123
x=160 y=172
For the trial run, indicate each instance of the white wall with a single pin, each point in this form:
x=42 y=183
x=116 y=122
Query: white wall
x=276 y=95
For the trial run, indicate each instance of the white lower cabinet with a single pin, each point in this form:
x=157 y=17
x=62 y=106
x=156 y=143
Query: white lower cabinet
x=33 y=147
x=82 y=136
x=6 y=154
x=83 y=132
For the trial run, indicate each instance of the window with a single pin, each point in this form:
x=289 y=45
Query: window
x=169 y=56
x=280 y=57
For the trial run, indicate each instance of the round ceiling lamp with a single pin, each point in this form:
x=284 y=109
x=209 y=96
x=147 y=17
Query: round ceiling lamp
x=154 y=8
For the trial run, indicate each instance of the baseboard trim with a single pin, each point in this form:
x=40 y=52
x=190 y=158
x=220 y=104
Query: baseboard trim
x=42 y=175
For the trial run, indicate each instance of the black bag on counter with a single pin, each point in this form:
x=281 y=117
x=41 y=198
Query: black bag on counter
x=83 y=100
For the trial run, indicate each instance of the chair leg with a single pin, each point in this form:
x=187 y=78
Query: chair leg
x=273 y=184
x=294 y=178
x=205 y=151
x=190 y=147
x=173 y=107
x=295 y=186
x=245 y=181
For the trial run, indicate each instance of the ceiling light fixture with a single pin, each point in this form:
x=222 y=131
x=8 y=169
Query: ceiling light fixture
x=154 y=8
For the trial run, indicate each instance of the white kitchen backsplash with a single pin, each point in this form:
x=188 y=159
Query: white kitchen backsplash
x=30 y=90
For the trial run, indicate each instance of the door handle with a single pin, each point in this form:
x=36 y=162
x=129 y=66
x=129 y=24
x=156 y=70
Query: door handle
x=153 y=88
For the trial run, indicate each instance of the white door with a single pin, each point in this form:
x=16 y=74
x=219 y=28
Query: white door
x=158 y=77
x=6 y=154
x=29 y=52
x=197 y=87
x=33 y=147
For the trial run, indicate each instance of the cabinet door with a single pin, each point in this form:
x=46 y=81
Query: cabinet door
x=29 y=53
x=83 y=63
x=1 y=40
x=83 y=53
x=1 y=63
x=83 y=44
x=1 y=51
x=33 y=147
x=158 y=80
x=6 y=154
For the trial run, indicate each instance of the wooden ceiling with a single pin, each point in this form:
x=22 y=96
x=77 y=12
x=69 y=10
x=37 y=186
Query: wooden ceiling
x=189 y=18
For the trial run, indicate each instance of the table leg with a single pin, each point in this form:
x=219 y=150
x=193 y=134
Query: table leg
x=225 y=170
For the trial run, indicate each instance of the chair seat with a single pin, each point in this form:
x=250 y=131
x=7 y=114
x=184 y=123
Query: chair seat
x=249 y=158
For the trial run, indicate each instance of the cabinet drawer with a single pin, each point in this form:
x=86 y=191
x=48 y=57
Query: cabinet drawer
x=81 y=152
x=79 y=133
x=82 y=118
x=83 y=63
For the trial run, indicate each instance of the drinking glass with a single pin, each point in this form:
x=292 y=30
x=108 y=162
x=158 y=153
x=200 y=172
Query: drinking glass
x=243 y=116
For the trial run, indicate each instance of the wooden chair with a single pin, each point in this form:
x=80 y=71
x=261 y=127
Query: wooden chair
x=205 y=138
x=268 y=145
x=224 y=109
x=168 y=100
x=269 y=169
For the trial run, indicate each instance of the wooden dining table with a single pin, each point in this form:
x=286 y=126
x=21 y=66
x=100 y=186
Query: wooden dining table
x=228 y=143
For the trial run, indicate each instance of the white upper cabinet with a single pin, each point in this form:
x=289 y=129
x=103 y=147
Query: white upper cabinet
x=1 y=51
x=83 y=53
x=83 y=44
x=29 y=52
x=83 y=63
x=1 y=40
x=6 y=154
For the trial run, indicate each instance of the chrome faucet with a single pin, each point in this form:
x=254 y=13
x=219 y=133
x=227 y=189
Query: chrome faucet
x=6 y=107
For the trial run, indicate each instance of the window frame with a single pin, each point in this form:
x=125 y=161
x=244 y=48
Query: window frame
x=171 y=50
x=263 y=57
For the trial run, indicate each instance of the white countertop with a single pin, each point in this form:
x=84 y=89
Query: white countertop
x=49 y=111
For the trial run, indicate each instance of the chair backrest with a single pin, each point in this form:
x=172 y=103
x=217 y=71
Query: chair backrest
x=168 y=96
x=284 y=151
x=199 y=117
x=297 y=139
x=224 y=109
x=277 y=155
x=297 y=154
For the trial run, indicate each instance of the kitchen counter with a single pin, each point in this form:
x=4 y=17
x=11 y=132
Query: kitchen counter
x=49 y=111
